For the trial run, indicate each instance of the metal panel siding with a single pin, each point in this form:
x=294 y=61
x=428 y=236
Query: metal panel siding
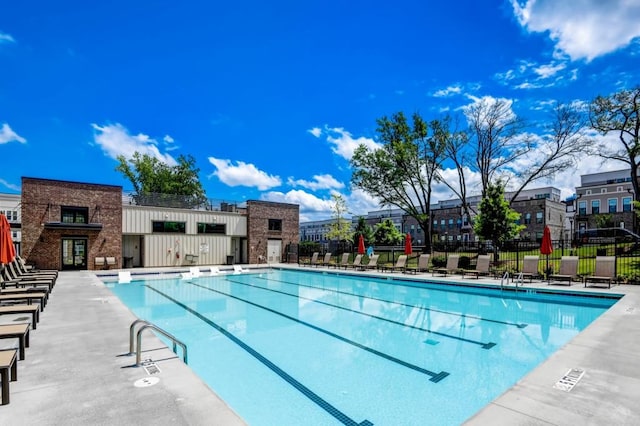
x=171 y=249
x=137 y=220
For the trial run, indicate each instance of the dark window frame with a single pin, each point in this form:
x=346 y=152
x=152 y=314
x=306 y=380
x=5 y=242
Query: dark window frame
x=275 y=225
x=212 y=228
x=161 y=226
x=74 y=213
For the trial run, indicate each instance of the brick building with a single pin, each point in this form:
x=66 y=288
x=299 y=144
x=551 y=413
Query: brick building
x=66 y=225
x=271 y=227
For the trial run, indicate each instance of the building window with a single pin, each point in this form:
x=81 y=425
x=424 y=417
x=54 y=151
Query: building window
x=167 y=226
x=613 y=205
x=626 y=204
x=212 y=228
x=450 y=223
x=582 y=207
x=75 y=214
x=275 y=224
x=595 y=206
x=539 y=217
x=527 y=218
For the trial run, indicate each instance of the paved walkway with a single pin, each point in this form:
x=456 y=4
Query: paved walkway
x=76 y=373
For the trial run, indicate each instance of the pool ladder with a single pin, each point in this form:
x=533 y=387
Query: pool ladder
x=138 y=348
x=517 y=279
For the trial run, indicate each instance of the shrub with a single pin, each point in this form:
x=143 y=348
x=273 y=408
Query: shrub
x=439 y=261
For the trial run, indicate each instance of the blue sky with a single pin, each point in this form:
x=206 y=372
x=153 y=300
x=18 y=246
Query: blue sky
x=271 y=98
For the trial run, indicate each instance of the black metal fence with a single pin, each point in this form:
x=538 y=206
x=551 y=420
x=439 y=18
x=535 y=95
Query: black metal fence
x=509 y=257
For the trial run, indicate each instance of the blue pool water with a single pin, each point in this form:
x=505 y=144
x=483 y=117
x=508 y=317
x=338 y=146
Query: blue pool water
x=305 y=347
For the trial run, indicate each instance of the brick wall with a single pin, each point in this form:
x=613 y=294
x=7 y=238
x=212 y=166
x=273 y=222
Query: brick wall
x=258 y=215
x=42 y=201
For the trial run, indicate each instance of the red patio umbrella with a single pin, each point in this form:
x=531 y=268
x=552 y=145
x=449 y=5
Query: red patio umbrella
x=7 y=251
x=545 y=246
x=361 y=249
x=408 y=249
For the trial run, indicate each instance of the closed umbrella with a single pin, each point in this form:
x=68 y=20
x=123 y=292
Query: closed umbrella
x=7 y=251
x=546 y=247
x=407 y=245
x=361 y=249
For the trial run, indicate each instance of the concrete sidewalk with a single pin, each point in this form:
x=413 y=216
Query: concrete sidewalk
x=76 y=371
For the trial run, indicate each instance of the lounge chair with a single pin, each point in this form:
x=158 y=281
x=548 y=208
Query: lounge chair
x=325 y=260
x=34 y=310
x=605 y=271
x=568 y=270
x=8 y=363
x=529 y=269
x=99 y=262
x=16 y=272
x=450 y=268
x=422 y=266
x=373 y=263
x=195 y=272
x=28 y=297
x=313 y=260
x=7 y=280
x=216 y=271
x=16 y=331
x=357 y=262
x=111 y=261
x=237 y=269
x=124 y=277
x=482 y=266
x=400 y=265
x=344 y=261
x=24 y=267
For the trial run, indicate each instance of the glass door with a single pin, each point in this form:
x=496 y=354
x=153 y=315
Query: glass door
x=74 y=253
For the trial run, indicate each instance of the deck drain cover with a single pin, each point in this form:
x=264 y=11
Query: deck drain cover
x=569 y=380
x=151 y=367
x=147 y=381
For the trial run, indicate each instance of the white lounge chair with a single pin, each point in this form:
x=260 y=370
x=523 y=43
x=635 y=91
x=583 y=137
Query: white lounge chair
x=237 y=269
x=216 y=271
x=195 y=272
x=124 y=277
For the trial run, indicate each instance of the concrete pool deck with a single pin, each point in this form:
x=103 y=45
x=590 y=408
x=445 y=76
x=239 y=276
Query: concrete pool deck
x=76 y=370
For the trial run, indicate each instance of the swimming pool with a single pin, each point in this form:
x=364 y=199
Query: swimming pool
x=286 y=347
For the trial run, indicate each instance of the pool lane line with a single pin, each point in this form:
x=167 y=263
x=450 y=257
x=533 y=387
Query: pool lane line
x=325 y=405
x=519 y=325
x=435 y=377
x=483 y=345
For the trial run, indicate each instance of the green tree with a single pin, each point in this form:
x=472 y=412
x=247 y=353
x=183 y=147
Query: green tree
x=604 y=220
x=363 y=228
x=401 y=171
x=496 y=221
x=340 y=228
x=154 y=182
x=387 y=234
x=619 y=114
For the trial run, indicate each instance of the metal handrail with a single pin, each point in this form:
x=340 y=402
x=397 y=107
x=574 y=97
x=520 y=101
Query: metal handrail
x=520 y=279
x=505 y=276
x=138 y=348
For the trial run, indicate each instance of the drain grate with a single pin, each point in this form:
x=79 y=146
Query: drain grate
x=569 y=380
x=150 y=367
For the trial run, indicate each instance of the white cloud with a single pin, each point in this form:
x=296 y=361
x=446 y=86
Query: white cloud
x=360 y=203
x=8 y=135
x=6 y=38
x=549 y=70
x=311 y=207
x=316 y=131
x=115 y=140
x=319 y=182
x=168 y=139
x=243 y=174
x=582 y=29
x=455 y=89
x=9 y=185
x=344 y=144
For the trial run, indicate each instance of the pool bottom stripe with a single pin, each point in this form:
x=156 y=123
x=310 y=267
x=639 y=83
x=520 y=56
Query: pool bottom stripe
x=330 y=409
x=483 y=345
x=335 y=290
x=435 y=377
